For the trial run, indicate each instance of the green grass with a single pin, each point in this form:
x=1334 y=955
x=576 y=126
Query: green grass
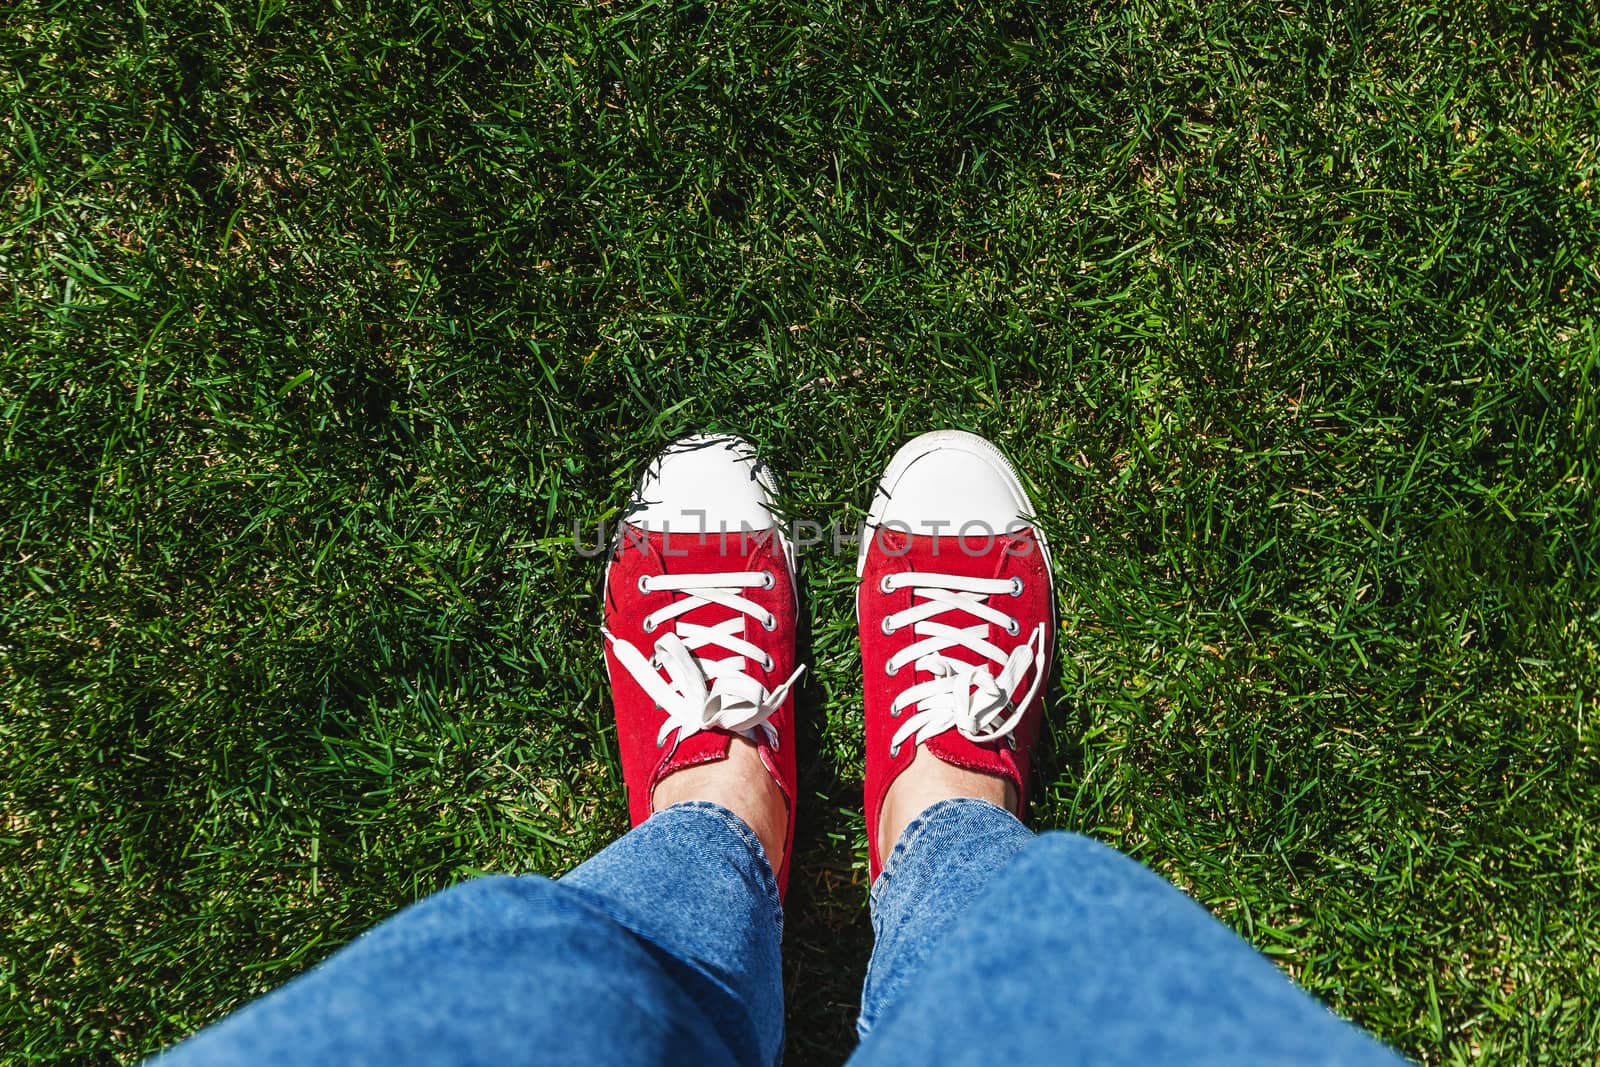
x=323 y=325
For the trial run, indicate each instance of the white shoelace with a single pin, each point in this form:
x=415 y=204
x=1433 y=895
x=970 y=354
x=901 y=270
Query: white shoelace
x=967 y=697
x=700 y=693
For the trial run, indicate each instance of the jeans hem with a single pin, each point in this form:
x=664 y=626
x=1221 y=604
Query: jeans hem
x=913 y=830
x=747 y=836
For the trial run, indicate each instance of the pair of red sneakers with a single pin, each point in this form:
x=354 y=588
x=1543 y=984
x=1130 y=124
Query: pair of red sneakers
x=954 y=609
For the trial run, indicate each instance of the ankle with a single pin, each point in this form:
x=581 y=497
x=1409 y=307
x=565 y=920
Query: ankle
x=926 y=782
x=742 y=784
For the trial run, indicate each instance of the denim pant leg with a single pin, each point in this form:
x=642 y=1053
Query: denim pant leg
x=1068 y=952
x=661 y=949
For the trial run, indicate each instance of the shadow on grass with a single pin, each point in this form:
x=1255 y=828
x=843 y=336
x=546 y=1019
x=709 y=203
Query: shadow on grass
x=827 y=930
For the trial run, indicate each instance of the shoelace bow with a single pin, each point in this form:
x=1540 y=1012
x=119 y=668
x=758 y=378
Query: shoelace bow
x=967 y=697
x=700 y=693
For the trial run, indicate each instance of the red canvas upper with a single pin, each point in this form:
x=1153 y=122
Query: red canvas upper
x=894 y=552
x=644 y=763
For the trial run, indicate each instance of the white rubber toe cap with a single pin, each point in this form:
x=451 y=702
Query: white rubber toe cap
x=943 y=481
x=705 y=483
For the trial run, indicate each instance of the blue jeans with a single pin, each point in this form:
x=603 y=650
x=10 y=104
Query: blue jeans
x=993 y=946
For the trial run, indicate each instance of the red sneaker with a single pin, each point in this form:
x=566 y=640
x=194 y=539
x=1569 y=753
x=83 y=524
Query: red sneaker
x=700 y=608
x=956 y=614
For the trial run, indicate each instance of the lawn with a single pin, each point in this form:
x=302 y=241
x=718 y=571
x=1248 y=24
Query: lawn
x=325 y=325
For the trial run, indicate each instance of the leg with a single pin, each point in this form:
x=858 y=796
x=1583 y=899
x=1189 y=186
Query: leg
x=946 y=855
x=663 y=948
x=995 y=946
x=1069 y=953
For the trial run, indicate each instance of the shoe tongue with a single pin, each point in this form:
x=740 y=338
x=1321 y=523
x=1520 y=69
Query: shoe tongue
x=994 y=759
x=707 y=746
x=692 y=553
x=713 y=553
x=975 y=557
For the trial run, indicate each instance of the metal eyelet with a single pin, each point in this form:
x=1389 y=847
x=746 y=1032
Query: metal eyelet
x=644 y=583
x=1016 y=587
x=1013 y=627
x=774 y=745
x=890 y=669
x=894 y=713
x=767 y=580
x=888 y=630
x=769 y=623
x=884 y=586
x=768 y=663
x=649 y=626
x=894 y=751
